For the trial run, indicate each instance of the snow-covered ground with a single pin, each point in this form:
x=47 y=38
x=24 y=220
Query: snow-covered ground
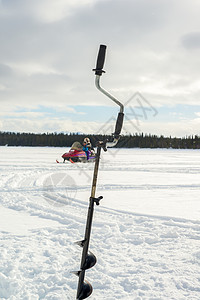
x=145 y=234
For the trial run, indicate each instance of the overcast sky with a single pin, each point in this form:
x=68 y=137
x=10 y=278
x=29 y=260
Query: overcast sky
x=48 y=49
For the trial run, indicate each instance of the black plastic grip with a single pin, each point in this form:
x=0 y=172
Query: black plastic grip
x=100 y=60
x=119 y=123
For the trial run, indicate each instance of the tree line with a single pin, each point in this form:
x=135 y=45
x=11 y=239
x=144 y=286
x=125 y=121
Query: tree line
x=126 y=141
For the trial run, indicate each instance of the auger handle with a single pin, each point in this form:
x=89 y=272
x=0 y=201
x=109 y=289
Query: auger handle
x=119 y=124
x=100 y=60
x=98 y=73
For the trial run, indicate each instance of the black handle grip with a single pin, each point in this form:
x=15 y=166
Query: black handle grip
x=119 y=123
x=100 y=60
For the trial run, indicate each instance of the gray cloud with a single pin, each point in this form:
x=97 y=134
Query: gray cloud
x=5 y=71
x=49 y=48
x=191 y=40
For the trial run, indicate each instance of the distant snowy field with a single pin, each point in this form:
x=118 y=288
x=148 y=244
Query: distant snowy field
x=145 y=234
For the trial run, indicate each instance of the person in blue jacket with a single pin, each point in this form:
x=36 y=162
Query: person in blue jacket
x=86 y=145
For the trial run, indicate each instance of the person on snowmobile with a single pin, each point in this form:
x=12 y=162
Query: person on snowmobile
x=87 y=141
x=87 y=147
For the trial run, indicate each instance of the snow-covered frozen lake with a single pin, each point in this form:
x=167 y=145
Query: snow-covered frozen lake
x=145 y=234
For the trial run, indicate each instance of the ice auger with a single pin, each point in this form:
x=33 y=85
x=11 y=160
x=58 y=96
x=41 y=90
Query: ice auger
x=88 y=259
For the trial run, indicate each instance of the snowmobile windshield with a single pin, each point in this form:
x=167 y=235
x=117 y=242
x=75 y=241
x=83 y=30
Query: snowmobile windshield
x=76 y=146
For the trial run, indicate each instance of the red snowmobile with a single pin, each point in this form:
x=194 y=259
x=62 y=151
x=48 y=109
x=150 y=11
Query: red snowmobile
x=76 y=154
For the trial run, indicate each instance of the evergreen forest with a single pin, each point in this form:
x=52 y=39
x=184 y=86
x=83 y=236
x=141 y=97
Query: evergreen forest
x=126 y=141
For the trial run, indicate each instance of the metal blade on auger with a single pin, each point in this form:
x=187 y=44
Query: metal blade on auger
x=86 y=290
x=77 y=273
x=90 y=261
x=86 y=287
x=80 y=243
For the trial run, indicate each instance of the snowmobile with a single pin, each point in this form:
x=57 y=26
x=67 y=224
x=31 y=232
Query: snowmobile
x=76 y=154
